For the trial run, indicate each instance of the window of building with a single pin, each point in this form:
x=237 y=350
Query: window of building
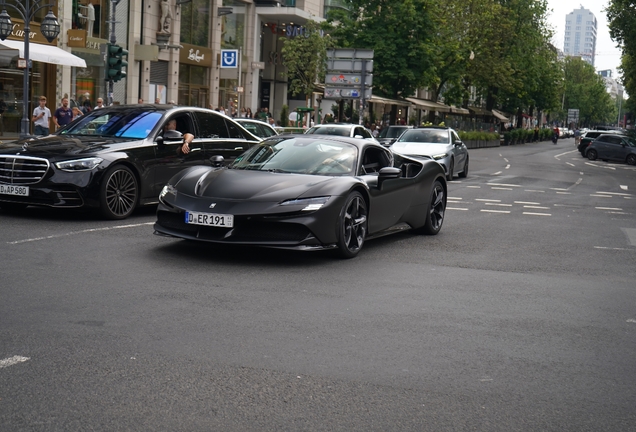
x=195 y=22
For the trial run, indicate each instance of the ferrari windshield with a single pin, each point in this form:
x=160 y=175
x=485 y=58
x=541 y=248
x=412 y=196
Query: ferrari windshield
x=428 y=136
x=134 y=124
x=300 y=156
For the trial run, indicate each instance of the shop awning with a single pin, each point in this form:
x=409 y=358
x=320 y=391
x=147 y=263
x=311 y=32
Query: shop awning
x=480 y=111
x=44 y=53
x=429 y=105
x=457 y=110
x=386 y=101
x=501 y=116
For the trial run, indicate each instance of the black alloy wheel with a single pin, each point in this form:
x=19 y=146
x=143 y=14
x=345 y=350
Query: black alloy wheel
x=12 y=207
x=464 y=173
x=119 y=193
x=451 y=167
x=592 y=154
x=631 y=159
x=436 y=211
x=352 y=225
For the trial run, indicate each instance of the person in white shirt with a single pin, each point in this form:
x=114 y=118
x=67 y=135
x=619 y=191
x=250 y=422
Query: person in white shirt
x=100 y=103
x=41 y=117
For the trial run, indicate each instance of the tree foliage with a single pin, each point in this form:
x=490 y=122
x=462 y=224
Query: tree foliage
x=585 y=91
x=621 y=16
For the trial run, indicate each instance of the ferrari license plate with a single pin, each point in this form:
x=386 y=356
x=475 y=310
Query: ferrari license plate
x=14 y=190
x=209 y=219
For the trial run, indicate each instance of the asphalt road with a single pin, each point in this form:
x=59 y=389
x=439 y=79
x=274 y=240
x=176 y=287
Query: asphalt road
x=519 y=316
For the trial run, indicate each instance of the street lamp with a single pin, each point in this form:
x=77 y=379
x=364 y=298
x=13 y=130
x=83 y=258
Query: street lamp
x=49 y=27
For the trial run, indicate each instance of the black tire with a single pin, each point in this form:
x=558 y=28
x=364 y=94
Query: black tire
x=464 y=173
x=435 y=211
x=451 y=167
x=352 y=225
x=11 y=207
x=591 y=154
x=631 y=159
x=119 y=193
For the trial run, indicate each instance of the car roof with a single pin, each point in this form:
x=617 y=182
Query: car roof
x=360 y=143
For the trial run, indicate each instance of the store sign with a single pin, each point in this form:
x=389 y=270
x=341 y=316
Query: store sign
x=76 y=38
x=17 y=33
x=291 y=30
x=195 y=55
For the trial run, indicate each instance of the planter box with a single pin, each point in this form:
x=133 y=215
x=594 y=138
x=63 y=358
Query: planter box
x=482 y=144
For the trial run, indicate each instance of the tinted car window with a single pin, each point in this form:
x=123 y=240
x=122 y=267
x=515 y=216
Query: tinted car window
x=391 y=132
x=610 y=139
x=329 y=130
x=234 y=130
x=134 y=125
x=425 y=136
x=210 y=125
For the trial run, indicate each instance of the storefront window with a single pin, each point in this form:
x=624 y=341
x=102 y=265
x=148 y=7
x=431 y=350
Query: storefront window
x=193 y=90
x=233 y=25
x=195 y=22
x=12 y=94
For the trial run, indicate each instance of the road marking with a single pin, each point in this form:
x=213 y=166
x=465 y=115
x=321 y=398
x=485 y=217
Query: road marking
x=498 y=188
x=631 y=320
x=631 y=235
x=601 y=196
x=495 y=211
x=537 y=214
x=613 y=193
x=455 y=198
x=527 y=202
x=507 y=166
x=79 y=232
x=500 y=205
x=571 y=164
x=534 y=190
x=616 y=249
x=536 y=207
x=503 y=184
x=564 y=193
x=474 y=187
x=497 y=173
x=608 y=208
x=12 y=361
x=624 y=187
x=505 y=159
x=615 y=212
x=456 y=208
x=487 y=200
x=558 y=189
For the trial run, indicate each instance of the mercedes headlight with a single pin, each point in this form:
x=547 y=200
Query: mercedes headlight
x=439 y=156
x=310 y=204
x=86 y=164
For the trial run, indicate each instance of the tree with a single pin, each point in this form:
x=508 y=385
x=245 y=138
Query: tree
x=585 y=91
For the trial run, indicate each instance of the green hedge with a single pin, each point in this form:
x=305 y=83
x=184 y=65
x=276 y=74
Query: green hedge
x=478 y=136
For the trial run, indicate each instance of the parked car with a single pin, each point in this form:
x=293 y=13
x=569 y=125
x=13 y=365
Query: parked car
x=114 y=158
x=591 y=135
x=441 y=144
x=342 y=129
x=305 y=192
x=613 y=147
x=390 y=133
x=257 y=127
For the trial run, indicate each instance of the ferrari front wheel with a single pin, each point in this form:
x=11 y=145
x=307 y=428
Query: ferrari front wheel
x=435 y=211
x=352 y=225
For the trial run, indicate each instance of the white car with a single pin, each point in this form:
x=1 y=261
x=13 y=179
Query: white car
x=438 y=143
x=256 y=127
x=342 y=129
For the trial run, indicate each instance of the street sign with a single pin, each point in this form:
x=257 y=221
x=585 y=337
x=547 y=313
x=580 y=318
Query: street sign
x=346 y=93
x=229 y=58
x=573 y=116
x=349 y=65
x=348 y=78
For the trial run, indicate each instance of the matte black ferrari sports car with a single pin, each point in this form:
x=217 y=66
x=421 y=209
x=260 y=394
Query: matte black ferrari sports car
x=114 y=158
x=305 y=192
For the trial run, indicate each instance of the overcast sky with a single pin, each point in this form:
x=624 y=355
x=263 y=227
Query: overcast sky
x=607 y=55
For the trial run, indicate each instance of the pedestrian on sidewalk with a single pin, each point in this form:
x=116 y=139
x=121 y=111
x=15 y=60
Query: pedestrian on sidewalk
x=63 y=115
x=41 y=117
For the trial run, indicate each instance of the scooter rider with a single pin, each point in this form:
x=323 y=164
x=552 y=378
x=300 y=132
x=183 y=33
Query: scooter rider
x=556 y=134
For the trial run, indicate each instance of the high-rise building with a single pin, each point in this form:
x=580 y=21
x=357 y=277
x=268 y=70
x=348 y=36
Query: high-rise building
x=580 y=34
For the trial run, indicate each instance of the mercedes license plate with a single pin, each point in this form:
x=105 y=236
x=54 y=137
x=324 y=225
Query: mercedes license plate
x=14 y=190
x=209 y=219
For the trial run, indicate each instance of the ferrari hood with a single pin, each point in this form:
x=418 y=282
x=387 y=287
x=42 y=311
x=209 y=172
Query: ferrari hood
x=64 y=145
x=254 y=185
x=420 y=149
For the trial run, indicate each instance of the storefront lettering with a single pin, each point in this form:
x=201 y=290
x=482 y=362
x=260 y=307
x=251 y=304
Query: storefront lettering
x=93 y=45
x=194 y=55
x=290 y=30
x=18 y=32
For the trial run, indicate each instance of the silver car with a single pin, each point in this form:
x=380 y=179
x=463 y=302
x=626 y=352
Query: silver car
x=257 y=127
x=343 y=129
x=435 y=142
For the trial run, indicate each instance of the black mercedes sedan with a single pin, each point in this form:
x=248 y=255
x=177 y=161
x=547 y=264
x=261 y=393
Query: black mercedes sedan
x=115 y=158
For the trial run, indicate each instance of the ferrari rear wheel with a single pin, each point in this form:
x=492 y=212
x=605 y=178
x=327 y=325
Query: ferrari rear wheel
x=436 y=211
x=119 y=193
x=352 y=225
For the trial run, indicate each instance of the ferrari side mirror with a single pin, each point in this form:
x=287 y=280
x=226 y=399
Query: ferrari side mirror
x=388 y=173
x=217 y=161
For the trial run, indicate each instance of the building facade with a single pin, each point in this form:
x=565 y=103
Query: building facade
x=580 y=34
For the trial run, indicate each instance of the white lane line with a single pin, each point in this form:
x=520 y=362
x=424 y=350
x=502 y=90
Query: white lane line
x=507 y=166
x=79 y=232
x=498 y=188
x=624 y=187
x=571 y=164
x=615 y=212
x=474 y=187
x=534 y=190
x=487 y=200
x=455 y=198
x=505 y=159
x=456 y=208
x=601 y=196
x=609 y=208
x=497 y=204
x=617 y=249
x=536 y=207
x=12 y=361
x=537 y=214
x=503 y=184
x=497 y=173
x=495 y=211
x=527 y=202
x=613 y=193
x=558 y=189
x=581 y=173
x=564 y=193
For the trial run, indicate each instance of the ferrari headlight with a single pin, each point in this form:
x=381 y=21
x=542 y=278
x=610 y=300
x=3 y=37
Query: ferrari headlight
x=310 y=204
x=167 y=189
x=86 y=164
x=440 y=156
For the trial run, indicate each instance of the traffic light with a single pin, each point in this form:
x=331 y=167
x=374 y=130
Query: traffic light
x=115 y=62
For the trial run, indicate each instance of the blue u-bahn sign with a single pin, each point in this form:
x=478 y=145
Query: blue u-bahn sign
x=229 y=58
